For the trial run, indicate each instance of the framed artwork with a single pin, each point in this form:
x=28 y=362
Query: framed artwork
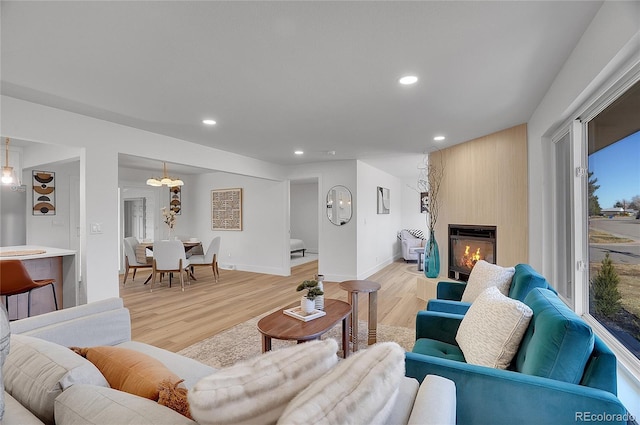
x=175 y=199
x=226 y=209
x=424 y=202
x=384 y=204
x=44 y=193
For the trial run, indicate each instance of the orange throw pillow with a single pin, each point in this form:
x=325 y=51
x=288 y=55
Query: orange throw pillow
x=129 y=370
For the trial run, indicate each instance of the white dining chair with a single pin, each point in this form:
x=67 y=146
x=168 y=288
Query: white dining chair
x=130 y=260
x=168 y=257
x=210 y=258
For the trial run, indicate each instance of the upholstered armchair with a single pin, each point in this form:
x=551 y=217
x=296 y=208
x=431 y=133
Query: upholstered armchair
x=409 y=241
x=561 y=370
x=450 y=294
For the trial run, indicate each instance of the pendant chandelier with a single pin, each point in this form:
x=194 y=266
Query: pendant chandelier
x=9 y=175
x=165 y=180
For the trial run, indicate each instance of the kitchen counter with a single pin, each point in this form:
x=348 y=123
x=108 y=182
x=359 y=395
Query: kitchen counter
x=28 y=252
x=43 y=262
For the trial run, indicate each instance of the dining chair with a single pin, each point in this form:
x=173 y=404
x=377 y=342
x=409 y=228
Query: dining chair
x=15 y=279
x=168 y=257
x=131 y=261
x=210 y=258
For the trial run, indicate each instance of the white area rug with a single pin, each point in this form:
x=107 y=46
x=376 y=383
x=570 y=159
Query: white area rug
x=243 y=341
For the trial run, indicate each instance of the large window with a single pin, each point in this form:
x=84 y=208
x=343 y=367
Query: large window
x=613 y=204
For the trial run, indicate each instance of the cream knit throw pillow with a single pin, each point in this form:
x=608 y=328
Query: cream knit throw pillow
x=361 y=390
x=257 y=390
x=491 y=331
x=484 y=275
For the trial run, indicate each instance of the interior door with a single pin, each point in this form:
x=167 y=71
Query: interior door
x=135 y=213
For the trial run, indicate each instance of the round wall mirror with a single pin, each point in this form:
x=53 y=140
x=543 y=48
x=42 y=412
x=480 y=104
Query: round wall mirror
x=339 y=205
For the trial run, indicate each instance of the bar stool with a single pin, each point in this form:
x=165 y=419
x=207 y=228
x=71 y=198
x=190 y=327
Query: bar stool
x=15 y=279
x=353 y=288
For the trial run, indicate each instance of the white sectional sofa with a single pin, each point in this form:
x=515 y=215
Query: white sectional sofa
x=107 y=322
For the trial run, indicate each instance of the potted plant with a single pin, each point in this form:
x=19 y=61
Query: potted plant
x=308 y=301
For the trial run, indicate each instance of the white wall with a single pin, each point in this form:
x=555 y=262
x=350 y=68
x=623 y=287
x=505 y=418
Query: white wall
x=412 y=218
x=304 y=214
x=609 y=47
x=51 y=230
x=378 y=244
x=263 y=244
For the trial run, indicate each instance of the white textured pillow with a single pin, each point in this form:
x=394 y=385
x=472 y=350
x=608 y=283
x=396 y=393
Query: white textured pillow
x=88 y=404
x=491 y=331
x=37 y=371
x=483 y=275
x=256 y=391
x=361 y=390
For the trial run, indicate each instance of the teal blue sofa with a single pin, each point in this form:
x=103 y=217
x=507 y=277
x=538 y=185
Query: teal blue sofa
x=561 y=374
x=449 y=294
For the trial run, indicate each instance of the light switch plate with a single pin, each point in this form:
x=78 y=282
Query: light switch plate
x=95 y=228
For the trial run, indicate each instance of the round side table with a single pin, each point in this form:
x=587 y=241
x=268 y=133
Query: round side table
x=353 y=288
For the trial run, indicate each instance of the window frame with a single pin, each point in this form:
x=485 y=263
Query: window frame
x=577 y=128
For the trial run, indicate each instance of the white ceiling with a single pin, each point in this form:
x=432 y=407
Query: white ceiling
x=279 y=76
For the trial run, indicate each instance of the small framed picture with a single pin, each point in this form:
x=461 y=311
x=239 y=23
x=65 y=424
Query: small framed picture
x=44 y=193
x=424 y=202
x=175 y=199
x=384 y=203
x=226 y=209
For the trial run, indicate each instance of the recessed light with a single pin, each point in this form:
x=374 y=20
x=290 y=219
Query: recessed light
x=439 y=138
x=408 y=80
x=299 y=152
x=209 y=122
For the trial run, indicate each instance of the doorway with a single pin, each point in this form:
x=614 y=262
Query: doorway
x=138 y=214
x=304 y=216
x=135 y=218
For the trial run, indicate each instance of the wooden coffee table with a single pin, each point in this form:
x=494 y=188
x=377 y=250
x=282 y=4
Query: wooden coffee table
x=280 y=326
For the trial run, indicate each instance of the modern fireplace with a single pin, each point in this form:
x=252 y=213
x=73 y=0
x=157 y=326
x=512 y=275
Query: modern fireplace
x=469 y=244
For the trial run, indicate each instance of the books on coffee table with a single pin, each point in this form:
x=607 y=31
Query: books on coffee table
x=297 y=313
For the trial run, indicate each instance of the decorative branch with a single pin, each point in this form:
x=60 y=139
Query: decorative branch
x=169 y=217
x=429 y=181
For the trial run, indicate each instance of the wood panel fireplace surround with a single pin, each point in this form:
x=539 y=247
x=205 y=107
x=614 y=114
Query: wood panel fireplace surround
x=469 y=244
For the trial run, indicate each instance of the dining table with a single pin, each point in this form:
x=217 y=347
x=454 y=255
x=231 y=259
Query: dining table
x=141 y=251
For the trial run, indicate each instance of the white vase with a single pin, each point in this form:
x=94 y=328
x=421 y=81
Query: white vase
x=320 y=298
x=307 y=305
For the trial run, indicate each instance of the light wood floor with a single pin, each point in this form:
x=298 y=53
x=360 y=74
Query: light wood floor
x=172 y=319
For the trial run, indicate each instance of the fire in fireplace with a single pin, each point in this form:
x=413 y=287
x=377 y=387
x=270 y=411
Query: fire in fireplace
x=469 y=244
